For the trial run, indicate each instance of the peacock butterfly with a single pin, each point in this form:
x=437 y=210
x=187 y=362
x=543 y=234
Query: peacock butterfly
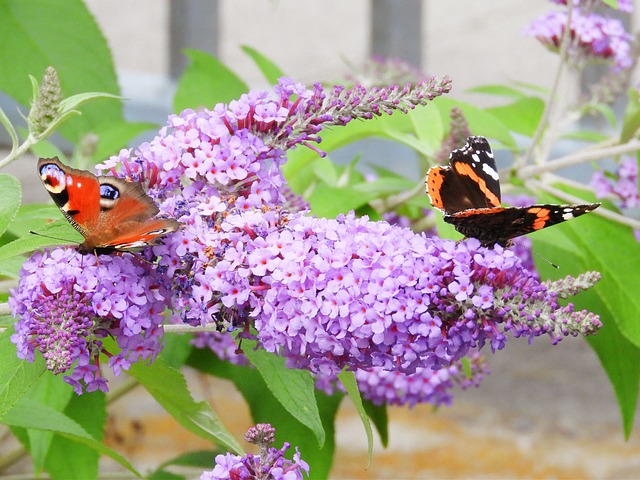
x=111 y=214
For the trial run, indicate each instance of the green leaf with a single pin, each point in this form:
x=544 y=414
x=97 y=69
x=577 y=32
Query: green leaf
x=176 y=350
x=90 y=412
x=594 y=243
x=481 y=122
x=32 y=216
x=51 y=391
x=114 y=136
x=522 y=116
x=348 y=380
x=266 y=409
x=600 y=241
x=201 y=458
x=631 y=122
x=169 y=387
x=206 y=82
x=269 y=69
x=327 y=201
x=10 y=267
x=620 y=360
x=429 y=129
x=380 y=418
x=30 y=414
x=499 y=90
x=72 y=102
x=299 y=160
x=16 y=375
x=612 y=3
x=37 y=34
x=10 y=199
x=60 y=231
x=293 y=388
x=585 y=136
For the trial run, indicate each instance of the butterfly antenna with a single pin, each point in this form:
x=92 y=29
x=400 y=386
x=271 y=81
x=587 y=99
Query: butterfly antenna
x=542 y=257
x=51 y=237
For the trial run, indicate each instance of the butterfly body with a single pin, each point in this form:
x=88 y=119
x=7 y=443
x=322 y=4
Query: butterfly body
x=468 y=192
x=111 y=214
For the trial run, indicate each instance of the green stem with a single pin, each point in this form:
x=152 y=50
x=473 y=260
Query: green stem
x=577 y=158
x=550 y=103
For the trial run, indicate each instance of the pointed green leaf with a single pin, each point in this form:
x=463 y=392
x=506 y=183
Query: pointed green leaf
x=37 y=34
x=206 y=82
x=293 y=388
x=269 y=69
x=114 y=136
x=169 y=387
x=266 y=409
x=499 y=90
x=90 y=412
x=32 y=216
x=52 y=391
x=380 y=418
x=71 y=103
x=16 y=375
x=10 y=199
x=594 y=243
x=522 y=116
x=59 y=232
x=429 y=129
x=631 y=123
x=620 y=360
x=30 y=414
x=348 y=380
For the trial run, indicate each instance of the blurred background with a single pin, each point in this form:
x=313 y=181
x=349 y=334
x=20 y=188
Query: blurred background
x=545 y=411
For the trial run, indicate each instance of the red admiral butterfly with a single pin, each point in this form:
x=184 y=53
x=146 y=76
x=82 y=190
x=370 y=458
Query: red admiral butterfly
x=468 y=192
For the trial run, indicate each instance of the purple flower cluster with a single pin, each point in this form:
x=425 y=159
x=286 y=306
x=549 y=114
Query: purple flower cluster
x=347 y=292
x=622 y=185
x=269 y=465
x=384 y=387
x=325 y=293
x=68 y=303
x=593 y=36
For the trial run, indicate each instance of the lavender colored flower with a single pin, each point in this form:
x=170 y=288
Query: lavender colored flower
x=383 y=387
x=68 y=303
x=353 y=293
x=325 y=293
x=621 y=185
x=623 y=5
x=269 y=465
x=593 y=36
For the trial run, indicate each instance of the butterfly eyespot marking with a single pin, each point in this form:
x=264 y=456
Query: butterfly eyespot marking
x=111 y=214
x=109 y=192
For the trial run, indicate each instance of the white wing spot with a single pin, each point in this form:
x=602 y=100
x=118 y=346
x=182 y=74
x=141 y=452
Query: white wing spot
x=490 y=171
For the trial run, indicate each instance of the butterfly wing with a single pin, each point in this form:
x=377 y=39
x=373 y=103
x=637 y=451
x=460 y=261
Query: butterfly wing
x=470 y=181
x=75 y=192
x=499 y=225
x=112 y=214
x=126 y=218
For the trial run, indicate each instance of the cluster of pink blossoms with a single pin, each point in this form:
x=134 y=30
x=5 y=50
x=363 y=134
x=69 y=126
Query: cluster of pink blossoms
x=325 y=293
x=593 y=36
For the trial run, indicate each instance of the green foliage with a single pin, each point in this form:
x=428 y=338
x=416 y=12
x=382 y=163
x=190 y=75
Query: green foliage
x=205 y=82
x=54 y=425
x=37 y=34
